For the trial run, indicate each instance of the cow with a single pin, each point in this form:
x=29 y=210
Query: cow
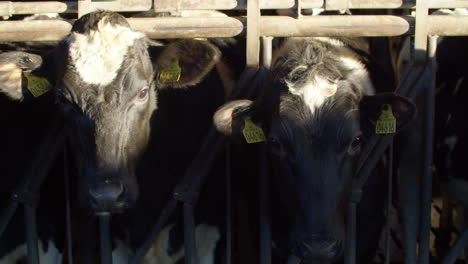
x=450 y=137
x=317 y=110
x=24 y=126
x=107 y=87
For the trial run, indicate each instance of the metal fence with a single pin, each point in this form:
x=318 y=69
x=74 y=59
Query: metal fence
x=258 y=30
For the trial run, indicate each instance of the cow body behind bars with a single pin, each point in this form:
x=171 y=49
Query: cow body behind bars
x=108 y=86
x=317 y=111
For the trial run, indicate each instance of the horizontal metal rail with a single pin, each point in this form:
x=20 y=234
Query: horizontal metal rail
x=178 y=27
x=9 y=8
x=168 y=5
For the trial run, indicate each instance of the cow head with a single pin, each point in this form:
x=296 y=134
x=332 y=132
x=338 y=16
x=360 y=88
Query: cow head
x=316 y=115
x=106 y=83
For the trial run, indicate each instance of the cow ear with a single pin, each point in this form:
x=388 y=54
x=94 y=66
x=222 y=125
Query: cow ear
x=228 y=118
x=372 y=108
x=11 y=80
x=16 y=79
x=185 y=62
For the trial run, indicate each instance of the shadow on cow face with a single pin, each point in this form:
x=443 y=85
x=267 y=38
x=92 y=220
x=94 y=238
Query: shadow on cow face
x=313 y=158
x=107 y=82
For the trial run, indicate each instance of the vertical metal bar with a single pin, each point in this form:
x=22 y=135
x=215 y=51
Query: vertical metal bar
x=228 y=204
x=455 y=251
x=421 y=30
x=69 y=235
x=6 y=216
x=31 y=234
x=267 y=51
x=389 y=205
x=428 y=156
x=189 y=234
x=350 y=244
x=264 y=212
x=253 y=40
x=84 y=6
x=105 y=238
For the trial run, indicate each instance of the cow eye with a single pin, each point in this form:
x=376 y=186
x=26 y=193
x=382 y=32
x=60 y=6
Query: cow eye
x=143 y=93
x=355 y=145
x=26 y=60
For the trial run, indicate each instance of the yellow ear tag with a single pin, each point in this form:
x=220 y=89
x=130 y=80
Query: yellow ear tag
x=386 y=124
x=252 y=133
x=37 y=85
x=171 y=73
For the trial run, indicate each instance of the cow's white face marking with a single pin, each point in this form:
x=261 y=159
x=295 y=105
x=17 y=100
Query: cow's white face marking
x=52 y=256
x=314 y=92
x=98 y=54
x=206 y=239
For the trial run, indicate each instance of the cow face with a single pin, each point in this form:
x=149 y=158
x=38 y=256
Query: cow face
x=316 y=116
x=106 y=83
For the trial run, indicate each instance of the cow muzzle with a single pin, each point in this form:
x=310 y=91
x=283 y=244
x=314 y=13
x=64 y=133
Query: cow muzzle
x=108 y=196
x=318 y=250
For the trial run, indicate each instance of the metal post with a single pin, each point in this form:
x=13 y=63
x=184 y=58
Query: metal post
x=253 y=41
x=31 y=234
x=267 y=51
x=68 y=221
x=189 y=234
x=105 y=238
x=228 y=203
x=426 y=180
x=264 y=212
x=457 y=248
x=350 y=244
x=389 y=205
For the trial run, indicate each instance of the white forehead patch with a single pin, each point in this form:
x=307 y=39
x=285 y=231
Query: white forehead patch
x=315 y=92
x=98 y=54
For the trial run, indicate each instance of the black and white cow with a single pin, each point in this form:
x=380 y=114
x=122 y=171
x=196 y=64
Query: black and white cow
x=317 y=110
x=108 y=87
x=451 y=141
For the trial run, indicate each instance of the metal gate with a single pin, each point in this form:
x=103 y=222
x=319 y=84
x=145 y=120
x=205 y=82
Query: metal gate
x=258 y=30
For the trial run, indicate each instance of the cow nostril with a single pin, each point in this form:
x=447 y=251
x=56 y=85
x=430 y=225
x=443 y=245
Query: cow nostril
x=107 y=196
x=324 y=249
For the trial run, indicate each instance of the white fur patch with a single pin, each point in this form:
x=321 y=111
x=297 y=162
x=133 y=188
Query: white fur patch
x=315 y=92
x=10 y=80
x=52 y=256
x=121 y=254
x=98 y=54
x=206 y=238
x=451 y=142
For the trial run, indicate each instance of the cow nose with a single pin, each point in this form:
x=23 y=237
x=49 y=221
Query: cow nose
x=324 y=249
x=108 y=196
